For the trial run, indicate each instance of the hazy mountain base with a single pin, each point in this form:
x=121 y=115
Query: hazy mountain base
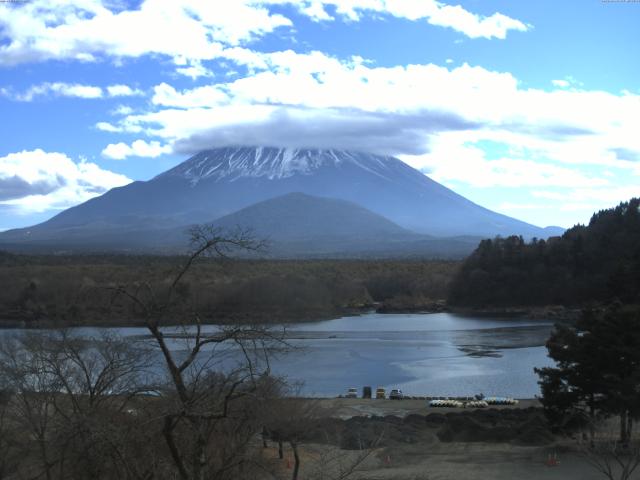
x=76 y=290
x=329 y=248
x=293 y=226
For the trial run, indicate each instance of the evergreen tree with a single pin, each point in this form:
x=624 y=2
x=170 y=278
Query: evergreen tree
x=596 y=263
x=597 y=368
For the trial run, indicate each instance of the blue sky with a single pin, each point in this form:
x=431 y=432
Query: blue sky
x=528 y=108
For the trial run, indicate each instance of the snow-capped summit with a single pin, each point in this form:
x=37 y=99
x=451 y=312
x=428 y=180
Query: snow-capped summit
x=232 y=163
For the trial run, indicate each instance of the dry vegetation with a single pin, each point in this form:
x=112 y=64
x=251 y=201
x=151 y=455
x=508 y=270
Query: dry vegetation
x=76 y=290
x=77 y=406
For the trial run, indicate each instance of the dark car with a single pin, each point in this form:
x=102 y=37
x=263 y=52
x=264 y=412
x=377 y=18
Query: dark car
x=396 y=394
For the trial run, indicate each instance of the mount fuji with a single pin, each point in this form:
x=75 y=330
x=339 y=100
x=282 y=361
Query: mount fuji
x=217 y=183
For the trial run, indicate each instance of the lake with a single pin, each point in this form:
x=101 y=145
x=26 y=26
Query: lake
x=438 y=354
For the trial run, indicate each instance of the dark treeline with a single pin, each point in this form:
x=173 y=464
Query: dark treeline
x=596 y=263
x=74 y=290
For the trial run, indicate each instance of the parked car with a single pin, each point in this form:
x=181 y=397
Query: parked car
x=396 y=394
x=366 y=392
x=381 y=393
x=352 y=393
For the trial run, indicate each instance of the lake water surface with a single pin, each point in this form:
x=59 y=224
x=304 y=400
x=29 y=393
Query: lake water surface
x=439 y=354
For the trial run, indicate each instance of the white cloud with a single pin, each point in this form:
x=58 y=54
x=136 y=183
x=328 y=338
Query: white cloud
x=434 y=12
x=581 y=203
x=73 y=90
x=139 y=148
x=123 y=91
x=37 y=181
x=567 y=82
x=194 y=70
x=80 y=91
x=86 y=31
x=122 y=110
x=611 y=195
x=107 y=127
x=314 y=95
x=59 y=89
x=453 y=161
x=207 y=96
x=315 y=11
x=473 y=25
x=40 y=30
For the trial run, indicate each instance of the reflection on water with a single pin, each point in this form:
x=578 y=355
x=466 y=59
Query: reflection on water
x=424 y=354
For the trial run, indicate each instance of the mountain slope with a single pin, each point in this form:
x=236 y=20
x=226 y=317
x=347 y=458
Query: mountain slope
x=217 y=182
x=301 y=216
x=298 y=225
x=295 y=225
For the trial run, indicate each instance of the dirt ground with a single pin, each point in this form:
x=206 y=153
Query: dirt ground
x=452 y=461
x=427 y=456
x=472 y=461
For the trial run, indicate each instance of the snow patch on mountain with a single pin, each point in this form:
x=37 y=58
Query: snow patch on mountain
x=232 y=163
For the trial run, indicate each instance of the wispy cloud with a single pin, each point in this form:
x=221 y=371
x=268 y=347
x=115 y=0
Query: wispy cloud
x=123 y=91
x=567 y=82
x=434 y=12
x=139 y=148
x=72 y=90
x=57 y=89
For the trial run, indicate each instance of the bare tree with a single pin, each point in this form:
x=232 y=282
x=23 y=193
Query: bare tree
x=292 y=420
x=32 y=402
x=296 y=421
x=8 y=450
x=606 y=453
x=215 y=376
x=337 y=464
x=68 y=403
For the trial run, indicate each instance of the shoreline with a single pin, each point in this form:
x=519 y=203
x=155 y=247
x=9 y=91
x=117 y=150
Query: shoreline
x=366 y=407
x=558 y=313
x=550 y=312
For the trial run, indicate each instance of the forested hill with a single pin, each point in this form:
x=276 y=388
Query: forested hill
x=595 y=263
